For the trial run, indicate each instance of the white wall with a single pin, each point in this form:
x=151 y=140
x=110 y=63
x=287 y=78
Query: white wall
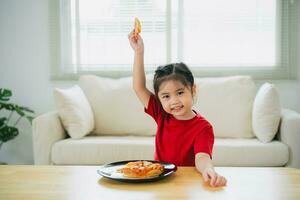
x=24 y=68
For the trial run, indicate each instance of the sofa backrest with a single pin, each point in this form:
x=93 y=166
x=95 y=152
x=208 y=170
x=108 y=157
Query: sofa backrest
x=225 y=102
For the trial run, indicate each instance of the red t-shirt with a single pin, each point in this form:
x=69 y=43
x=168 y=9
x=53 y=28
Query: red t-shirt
x=178 y=141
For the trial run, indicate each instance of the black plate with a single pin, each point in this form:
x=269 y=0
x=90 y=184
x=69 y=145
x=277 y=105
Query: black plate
x=110 y=171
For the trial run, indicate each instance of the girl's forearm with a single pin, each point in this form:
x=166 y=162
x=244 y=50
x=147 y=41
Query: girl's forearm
x=203 y=162
x=139 y=79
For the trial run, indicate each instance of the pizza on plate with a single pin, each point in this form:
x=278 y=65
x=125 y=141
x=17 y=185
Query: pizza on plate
x=141 y=169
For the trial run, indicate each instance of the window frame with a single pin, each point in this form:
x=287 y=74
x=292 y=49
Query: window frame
x=284 y=71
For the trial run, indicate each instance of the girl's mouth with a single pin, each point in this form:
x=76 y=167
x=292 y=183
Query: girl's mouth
x=177 y=108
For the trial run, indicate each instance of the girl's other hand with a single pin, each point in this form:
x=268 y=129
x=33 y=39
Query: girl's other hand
x=136 y=42
x=213 y=178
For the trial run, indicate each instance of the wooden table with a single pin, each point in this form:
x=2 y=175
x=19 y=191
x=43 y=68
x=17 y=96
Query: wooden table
x=83 y=182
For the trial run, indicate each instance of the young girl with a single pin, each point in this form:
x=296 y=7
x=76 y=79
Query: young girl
x=183 y=137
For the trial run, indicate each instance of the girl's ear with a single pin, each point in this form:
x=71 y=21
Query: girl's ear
x=194 y=93
x=194 y=90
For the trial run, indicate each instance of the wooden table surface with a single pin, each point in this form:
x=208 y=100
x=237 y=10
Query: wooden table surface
x=83 y=182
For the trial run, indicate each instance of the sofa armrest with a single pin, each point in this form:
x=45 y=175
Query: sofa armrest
x=46 y=130
x=289 y=133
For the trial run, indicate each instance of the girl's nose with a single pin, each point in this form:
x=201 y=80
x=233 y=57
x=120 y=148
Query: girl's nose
x=174 y=100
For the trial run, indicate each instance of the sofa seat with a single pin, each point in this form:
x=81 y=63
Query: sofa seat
x=93 y=150
x=249 y=152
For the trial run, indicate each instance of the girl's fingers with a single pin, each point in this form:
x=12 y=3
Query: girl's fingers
x=218 y=180
x=136 y=41
x=213 y=179
x=205 y=177
x=224 y=181
x=221 y=181
x=133 y=36
x=130 y=34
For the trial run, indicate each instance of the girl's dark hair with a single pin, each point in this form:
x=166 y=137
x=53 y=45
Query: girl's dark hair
x=175 y=71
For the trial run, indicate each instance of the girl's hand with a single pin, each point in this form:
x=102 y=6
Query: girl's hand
x=136 y=42
x=213 y=178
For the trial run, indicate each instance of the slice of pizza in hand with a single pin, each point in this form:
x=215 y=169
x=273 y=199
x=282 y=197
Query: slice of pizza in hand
x=137 y=25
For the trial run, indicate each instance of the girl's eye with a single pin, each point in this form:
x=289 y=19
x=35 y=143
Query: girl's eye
x=180 y=93
x=165 y=96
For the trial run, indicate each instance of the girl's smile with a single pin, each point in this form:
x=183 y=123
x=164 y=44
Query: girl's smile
x=176 y=99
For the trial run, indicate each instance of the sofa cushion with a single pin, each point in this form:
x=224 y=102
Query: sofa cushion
x=226 y=103
x=117 y=110
x=105 y=149
x=266 y=113
x=74 y=111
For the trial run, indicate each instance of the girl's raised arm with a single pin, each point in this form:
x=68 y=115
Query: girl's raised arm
x=139 y=79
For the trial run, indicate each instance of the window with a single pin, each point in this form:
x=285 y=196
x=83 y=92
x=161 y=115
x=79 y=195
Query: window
x=213 y=37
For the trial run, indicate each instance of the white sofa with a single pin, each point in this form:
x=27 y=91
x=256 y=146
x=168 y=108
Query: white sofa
x=122 y=131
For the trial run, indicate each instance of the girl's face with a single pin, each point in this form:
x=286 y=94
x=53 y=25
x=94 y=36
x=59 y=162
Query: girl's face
x=177 y=99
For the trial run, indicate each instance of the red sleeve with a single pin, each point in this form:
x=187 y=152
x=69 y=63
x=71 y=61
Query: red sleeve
x=204 y=141
x=154 y=108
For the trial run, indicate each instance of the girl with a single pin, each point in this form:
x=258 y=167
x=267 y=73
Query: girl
x=183 y=137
